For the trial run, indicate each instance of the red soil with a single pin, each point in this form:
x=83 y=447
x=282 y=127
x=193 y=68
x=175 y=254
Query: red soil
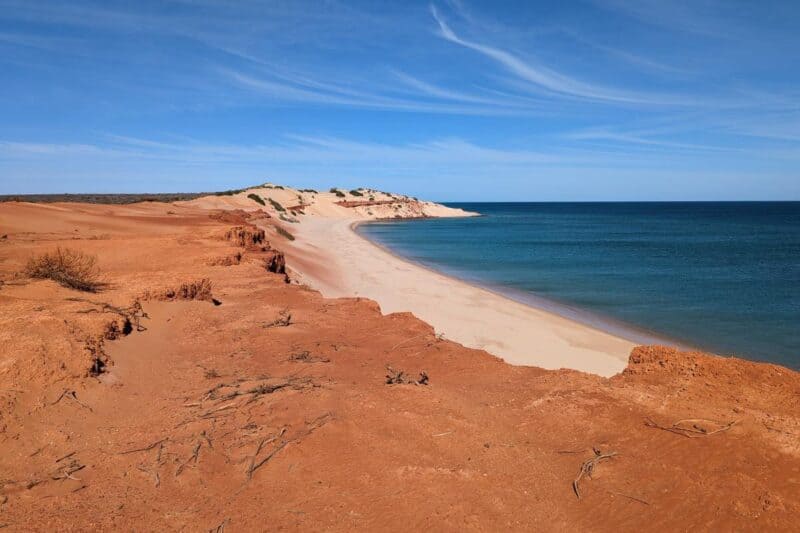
x=271 y=410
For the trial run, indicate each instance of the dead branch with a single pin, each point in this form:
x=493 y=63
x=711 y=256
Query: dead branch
x=256 y=465
x=694 y=430
x=399 y=377
x=64 y=471
x=154 y=473
x=267 y=388
x=146 y=448
x=634 y=498
x=306 y=357
x=220 y=528
x=587 y=467
x=192 y=458
x=70 y=454
x=284 y=319
x=73 y=396
x=318 y=422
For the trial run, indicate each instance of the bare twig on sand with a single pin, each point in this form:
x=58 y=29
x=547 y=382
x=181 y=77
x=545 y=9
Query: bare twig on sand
x=634 y=498
x=284 y=319
x=64 y=471
x=154 y=473
x=306 y=357
x=255 y=464
x=70 y=454
x=192 y=458
x=692 y=427
x=397 y=377
x=267 y=388
x=146 y=448
x=220 y=528
x=587 y=467
x=406 y=340
x=72 y=396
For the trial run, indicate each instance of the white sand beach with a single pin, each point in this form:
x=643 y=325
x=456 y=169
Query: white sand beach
x=332 y=258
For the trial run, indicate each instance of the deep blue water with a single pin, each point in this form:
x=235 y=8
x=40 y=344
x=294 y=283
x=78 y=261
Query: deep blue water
x=720 y=276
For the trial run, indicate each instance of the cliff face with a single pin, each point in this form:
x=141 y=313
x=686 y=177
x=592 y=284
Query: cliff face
x=243 y=401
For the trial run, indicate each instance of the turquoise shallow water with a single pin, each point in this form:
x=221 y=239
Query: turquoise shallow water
x=720 y=276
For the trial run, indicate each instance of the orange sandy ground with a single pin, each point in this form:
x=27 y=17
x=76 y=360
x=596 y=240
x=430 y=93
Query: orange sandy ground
x=327 y=443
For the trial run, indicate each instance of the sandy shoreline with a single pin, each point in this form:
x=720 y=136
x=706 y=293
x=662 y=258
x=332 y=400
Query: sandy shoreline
x=331 y=257
x=636 y=335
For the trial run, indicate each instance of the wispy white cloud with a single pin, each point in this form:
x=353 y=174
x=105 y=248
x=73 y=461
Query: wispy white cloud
x=424 y=97
x=638 y=138
x=541 y=76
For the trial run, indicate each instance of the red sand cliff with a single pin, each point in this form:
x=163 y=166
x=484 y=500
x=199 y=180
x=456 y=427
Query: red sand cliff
x=227 y=397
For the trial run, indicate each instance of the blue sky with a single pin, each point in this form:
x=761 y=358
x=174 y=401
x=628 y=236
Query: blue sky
x=450 y=100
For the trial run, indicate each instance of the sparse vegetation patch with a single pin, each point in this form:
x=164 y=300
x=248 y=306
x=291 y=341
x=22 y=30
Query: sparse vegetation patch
x=70 y=268
x=256 y=198
x=284 y=233
x=230 y=192
x=276 y=205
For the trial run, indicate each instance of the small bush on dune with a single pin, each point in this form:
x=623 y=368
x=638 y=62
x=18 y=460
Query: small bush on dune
x=356 y=192
x=285 y=233
x=337 y=192
x=256 y=198
x=230 y=192
x=276 y=205
x=69 y=268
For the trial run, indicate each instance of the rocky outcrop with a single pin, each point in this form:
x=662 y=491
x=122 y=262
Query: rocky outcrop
x=275 y=262
x=247 y=237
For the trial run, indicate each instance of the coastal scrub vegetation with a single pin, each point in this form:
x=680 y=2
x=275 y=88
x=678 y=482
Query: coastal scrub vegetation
x=284 y=233
x=276 y=205
x=256 y=198
x=337 y=192
x=229 y=192
x=70 y=268
x=356 y=192
x=308 y=190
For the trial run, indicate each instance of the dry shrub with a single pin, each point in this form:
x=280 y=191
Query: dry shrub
x=70 y=268
x=195 y=290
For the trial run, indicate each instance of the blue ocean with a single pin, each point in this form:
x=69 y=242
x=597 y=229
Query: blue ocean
x=718 y=276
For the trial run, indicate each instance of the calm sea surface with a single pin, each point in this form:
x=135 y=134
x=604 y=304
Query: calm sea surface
x=720 y=276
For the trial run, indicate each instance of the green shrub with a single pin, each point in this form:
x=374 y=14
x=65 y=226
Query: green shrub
x=356 y=192
x=276 y=205
x=230 y=192
x=308 y=190
x=285 y=233
x=337 y=192
x=256 y=198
